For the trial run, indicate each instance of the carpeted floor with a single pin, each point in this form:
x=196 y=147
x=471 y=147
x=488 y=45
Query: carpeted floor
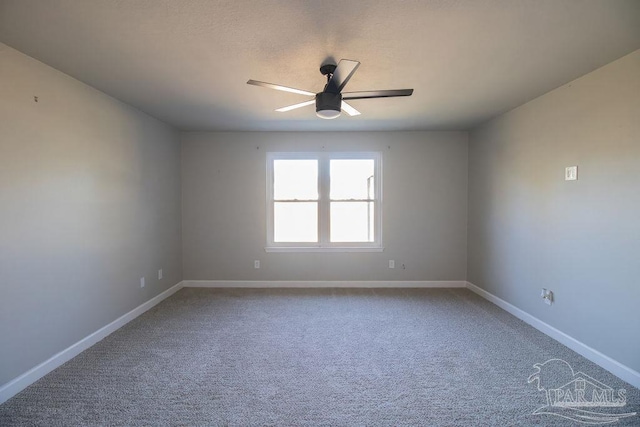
x=295 y=357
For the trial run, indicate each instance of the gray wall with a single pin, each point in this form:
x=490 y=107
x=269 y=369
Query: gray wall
x=528 y=228
x=424 y=217
x=89 y=203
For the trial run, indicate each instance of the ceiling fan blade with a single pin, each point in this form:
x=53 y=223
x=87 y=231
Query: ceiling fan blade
x=341 y=75
x=279 y=87
x=377 y=94
x=349 y=109
x=294 y=106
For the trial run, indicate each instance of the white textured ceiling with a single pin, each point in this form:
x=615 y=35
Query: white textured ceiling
x=186 y=62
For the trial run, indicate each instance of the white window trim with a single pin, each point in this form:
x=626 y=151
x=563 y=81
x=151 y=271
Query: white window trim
x=324 y=245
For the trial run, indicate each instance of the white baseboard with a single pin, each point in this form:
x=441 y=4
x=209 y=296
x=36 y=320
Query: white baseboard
x=18 y=384
x=323 y=284
x=616 y=368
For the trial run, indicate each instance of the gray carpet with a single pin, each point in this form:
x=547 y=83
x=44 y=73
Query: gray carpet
x=295 y=357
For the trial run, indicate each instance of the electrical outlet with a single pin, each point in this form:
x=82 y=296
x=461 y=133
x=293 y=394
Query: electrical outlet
x=547 y=296
x=392 y=264
x=142 y=282
x=256 y=264
x=160 y=274
x=571 y=173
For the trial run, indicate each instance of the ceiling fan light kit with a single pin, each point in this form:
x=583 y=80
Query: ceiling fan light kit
x=328 y=105
x=329 y=102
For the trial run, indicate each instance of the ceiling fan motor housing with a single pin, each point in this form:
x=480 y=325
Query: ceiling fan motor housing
x=328 y=105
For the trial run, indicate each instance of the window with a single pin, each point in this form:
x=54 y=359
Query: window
x=324 y=202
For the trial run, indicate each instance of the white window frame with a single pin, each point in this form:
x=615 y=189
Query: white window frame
x=324 y=244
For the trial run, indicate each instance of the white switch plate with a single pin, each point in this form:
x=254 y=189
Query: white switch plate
x=256 y=264
x=142 y=282
x=160 y=274
x=392 y=264
x=571 y=173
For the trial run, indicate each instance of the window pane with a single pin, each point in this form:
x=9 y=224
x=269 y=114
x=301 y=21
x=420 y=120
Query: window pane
x=295 y=222
x=295 y=179
x=352 y=179
x=352 y=222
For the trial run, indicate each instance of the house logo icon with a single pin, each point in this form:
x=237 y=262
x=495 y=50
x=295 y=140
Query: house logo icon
x=576 y=395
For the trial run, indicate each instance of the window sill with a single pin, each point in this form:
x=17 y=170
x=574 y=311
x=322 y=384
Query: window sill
x=323 y=249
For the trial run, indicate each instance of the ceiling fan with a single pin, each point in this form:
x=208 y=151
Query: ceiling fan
x=331 y=100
